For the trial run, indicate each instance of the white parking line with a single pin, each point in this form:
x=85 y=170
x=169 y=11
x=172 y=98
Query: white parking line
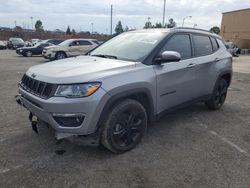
x=228 y=142
x=4 y=170
x=2 y=139
x=224 y=139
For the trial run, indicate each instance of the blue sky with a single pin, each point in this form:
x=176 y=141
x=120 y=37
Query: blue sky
x=79 y=14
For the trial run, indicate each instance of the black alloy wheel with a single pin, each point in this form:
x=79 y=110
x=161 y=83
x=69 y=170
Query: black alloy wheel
x=125 y=126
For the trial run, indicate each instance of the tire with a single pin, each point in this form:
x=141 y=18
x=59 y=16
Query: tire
x=60 y=55
x=28 y=54
x=219 y=95
x=124 y=126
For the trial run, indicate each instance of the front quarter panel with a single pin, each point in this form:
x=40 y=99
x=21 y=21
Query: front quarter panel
x=141 y=79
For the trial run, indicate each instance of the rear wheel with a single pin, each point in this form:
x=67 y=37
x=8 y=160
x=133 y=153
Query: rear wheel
x=28 y=54
x=219 y=95
x=60 y=55
x=125 y=126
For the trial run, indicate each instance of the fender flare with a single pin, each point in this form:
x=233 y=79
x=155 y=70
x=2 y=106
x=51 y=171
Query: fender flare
x=122 y=95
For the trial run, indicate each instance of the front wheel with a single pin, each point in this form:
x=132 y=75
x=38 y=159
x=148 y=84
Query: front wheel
x=125 y=126
x=219 y=95
x=60 y=55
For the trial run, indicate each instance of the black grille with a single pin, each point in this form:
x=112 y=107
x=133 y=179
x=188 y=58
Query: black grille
x=38 y=88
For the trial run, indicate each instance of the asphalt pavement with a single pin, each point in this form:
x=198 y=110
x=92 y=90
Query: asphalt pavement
x=192 y=147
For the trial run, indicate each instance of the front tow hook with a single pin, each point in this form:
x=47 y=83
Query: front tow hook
x=18 y=100
x=34 y=122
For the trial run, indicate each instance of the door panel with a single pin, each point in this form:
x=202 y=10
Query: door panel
x=176 y=84
x=205 y=59
x=176 y=81
x=74 y=50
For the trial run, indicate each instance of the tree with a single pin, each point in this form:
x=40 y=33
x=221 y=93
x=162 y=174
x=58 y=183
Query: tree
x=171 y=23
x=148 y=24
x=39 y=26
x=126 y=29
x=119 y=28
x=73 y=31
x=215 y=30
x=68 y=31
x=157 y=25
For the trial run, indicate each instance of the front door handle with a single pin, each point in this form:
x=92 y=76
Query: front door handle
x=191 y=65
x=216 y=59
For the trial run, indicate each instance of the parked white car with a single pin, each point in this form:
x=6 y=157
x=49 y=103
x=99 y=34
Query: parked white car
x=69 y=48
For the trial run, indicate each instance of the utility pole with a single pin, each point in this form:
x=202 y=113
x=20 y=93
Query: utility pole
x=31 y=18
x=163 y=17
x=111 y=20
x=92 y=26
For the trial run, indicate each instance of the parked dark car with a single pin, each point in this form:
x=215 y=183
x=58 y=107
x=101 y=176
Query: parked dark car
x=15 y=43
x=54 y=41
x=233 y=49
x=2 y=45
x=38 y=48
x=33 y=50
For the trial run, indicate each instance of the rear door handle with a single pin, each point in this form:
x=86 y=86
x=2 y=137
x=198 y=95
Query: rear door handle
x=191 y=65
x=216 y=59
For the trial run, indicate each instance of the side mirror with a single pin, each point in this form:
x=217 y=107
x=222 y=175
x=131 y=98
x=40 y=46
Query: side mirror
x=168 y=56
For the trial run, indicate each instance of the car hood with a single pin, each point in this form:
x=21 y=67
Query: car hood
x=79 y=69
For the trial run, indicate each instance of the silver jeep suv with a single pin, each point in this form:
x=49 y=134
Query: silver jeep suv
x=110 y=95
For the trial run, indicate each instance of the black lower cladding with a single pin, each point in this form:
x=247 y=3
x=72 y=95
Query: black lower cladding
x=38 y=88
x=72 y=121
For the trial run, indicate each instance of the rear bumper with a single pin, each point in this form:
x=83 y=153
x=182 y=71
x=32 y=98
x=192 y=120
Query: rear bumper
x=46 y=110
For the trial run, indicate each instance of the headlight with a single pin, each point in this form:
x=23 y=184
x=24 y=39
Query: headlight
x=77 y=90
x=20 y=50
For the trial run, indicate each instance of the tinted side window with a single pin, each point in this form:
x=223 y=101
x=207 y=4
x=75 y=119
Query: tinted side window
x=75 y=43
x=57 y=41
x=179 y=43
x=43 y=45
x=202 y=45
x=214 y=44
x=84 y=42
x=95 y=41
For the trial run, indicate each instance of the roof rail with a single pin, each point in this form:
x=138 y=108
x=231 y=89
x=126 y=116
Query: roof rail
x=192 y=29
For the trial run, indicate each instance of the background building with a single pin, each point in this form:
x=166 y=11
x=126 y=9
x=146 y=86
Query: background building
x=235 y=27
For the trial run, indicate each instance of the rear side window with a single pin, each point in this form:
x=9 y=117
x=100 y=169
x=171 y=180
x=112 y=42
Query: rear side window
x=179 y=43
x=214 y=44
x=202 y=45
x=84 y=42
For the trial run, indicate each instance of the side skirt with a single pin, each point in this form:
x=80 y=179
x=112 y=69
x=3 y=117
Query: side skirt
x=180 y=106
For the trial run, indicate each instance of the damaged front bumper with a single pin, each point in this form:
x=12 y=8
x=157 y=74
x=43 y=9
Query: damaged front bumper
x=86 y=140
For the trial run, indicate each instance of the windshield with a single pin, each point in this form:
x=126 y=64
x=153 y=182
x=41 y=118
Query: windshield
x=37 y=44
x=65 y=43
x=129 y=46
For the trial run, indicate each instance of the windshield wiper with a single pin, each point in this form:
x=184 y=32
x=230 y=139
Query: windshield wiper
x=105 y=56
